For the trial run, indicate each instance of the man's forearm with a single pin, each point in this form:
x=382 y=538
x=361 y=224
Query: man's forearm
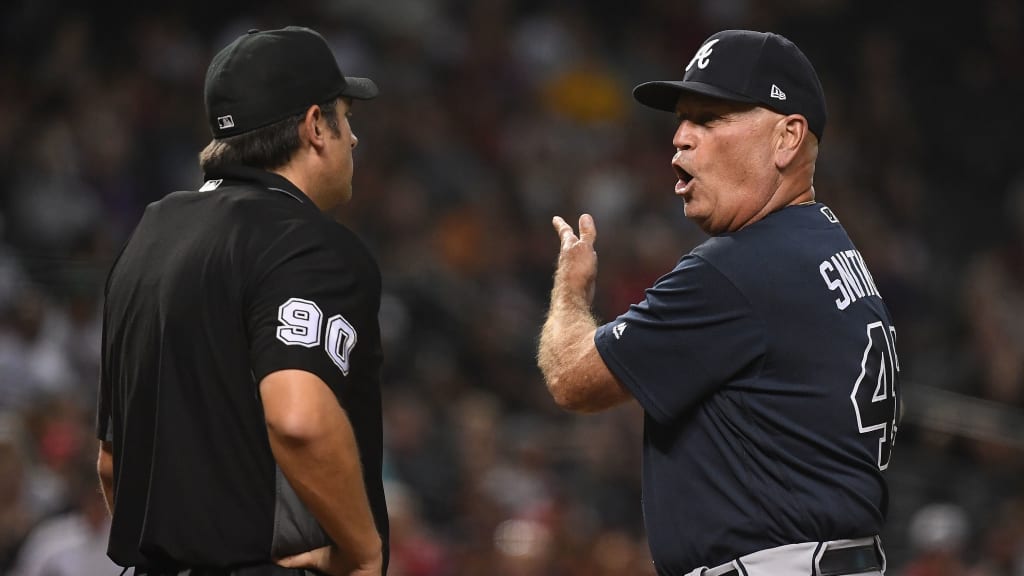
x=576 y=375
x=324 y=469
x=568 y=328
x=105 y=470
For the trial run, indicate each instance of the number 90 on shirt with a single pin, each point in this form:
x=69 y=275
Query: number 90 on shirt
x=301 y=324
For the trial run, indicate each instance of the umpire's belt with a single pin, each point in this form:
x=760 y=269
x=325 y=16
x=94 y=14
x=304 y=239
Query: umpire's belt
x=835 y=558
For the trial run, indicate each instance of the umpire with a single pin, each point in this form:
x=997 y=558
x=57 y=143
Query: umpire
x=239 y=403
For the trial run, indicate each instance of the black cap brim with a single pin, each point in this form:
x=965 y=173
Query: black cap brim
x=359 y=88
x=664 y=94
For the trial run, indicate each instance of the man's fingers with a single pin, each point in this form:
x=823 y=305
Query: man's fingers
x=311 y=559
x=303 y=559
x=565 y=232
x=588 y=230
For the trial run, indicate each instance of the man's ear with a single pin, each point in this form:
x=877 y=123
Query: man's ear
x=792 y=133
x=310 y=130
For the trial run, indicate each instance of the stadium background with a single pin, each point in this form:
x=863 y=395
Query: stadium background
x=495 y=115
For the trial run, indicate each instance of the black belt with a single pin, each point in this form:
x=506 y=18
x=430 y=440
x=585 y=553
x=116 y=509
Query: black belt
x=841 y=561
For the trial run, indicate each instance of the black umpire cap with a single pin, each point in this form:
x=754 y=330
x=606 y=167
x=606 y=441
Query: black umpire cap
x=264 y=77
x=759 y=68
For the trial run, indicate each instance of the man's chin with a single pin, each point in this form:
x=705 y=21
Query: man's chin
x=699 y=218
x=693 y=212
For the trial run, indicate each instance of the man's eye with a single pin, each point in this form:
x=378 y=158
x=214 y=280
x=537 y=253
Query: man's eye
x=700 y=119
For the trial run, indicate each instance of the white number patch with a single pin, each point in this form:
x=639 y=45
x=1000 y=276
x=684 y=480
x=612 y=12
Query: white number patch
x=301 y=321
x=875 y=394
x=341 y=339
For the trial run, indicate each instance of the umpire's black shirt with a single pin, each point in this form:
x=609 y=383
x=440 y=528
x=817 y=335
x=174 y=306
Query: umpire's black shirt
x=215 y=290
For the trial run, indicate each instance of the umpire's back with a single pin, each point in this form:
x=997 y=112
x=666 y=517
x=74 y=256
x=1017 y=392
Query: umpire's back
x=177 y=361
x=182 y=403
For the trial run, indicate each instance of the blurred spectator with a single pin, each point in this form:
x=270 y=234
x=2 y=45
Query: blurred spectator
x=60 y=437
x=522 y=548
x=994 y=295
x=1002 y=549
x=73 y=543
x=414 y=551
x=34 y=350
x=938 y=534
x=16 y=516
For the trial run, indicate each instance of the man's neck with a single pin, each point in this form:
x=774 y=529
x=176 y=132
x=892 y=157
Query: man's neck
x=300 y=180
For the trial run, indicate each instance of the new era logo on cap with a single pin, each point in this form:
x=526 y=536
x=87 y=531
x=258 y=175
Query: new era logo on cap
x=778 y=93
x=225 y=122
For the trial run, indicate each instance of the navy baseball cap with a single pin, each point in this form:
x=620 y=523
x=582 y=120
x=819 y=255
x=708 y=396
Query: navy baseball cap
x=760 y=68
x=264 y=77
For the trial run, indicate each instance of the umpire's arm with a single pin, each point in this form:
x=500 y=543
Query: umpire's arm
x=105 y=469
x=574 y=371
x=313 y=443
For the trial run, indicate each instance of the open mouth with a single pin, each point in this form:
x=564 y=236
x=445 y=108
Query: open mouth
x=684 y=178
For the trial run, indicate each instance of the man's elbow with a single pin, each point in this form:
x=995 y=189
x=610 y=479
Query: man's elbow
x=568 y=395
x=105 y=462
x=295 y=427
x=298 y=407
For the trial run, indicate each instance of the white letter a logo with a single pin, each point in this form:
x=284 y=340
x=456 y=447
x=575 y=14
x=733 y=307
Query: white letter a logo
x=702 y=55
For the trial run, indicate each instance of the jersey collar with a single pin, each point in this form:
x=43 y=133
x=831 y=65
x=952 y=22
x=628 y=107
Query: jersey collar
x=268 y=180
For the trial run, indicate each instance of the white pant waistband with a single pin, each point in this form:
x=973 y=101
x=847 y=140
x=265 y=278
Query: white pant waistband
x=803 y=559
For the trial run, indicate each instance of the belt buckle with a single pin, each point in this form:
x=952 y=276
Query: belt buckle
x=843 y=557
x=727 y=569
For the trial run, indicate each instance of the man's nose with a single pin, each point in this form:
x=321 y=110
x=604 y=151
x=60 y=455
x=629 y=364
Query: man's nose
x=685 y=137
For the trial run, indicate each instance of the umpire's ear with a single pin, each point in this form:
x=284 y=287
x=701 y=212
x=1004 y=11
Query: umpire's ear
x=311 y=129
x=790 y=137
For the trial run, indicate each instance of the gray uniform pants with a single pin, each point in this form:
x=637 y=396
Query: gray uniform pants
x=804 y=559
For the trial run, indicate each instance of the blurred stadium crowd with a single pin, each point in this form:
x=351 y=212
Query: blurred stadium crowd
x=494 y=116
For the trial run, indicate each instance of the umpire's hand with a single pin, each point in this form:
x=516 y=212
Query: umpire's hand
x=577 y=260
x=333 y=562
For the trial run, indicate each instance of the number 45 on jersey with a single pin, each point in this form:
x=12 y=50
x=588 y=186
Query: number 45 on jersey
x=874 y=395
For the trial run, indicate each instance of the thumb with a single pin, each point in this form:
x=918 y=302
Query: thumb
x=298 y=560
x=588 y=230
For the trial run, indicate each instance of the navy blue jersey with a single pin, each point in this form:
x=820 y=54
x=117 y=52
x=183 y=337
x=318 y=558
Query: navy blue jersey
x=766 y=366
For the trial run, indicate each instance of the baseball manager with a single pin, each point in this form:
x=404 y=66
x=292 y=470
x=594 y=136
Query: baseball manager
x=765 y=361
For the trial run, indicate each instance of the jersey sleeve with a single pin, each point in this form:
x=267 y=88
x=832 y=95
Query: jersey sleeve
x=104 y=423
x=102 y=427
x=305 y=311
x=693 y=333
